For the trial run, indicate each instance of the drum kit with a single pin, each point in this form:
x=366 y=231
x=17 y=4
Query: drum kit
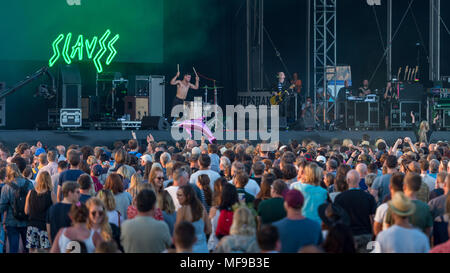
x=202 y=108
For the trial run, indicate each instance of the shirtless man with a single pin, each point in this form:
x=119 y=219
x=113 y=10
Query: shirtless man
x=183 y=87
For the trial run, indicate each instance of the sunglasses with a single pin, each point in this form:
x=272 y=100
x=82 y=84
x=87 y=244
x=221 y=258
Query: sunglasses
x=99 y=213
x=160 y=178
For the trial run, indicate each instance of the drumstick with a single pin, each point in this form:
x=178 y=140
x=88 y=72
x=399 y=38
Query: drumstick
x=178 y=68
x=195 y=72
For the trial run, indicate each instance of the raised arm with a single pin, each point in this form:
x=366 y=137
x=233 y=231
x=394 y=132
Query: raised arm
x=197 y=83
x=394 y=149
x=174 y=80
x=413 y=147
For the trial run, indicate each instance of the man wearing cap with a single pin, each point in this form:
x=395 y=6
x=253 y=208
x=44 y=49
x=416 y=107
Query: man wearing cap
x=146 y=158
x=402 y=237
x=421 y=217
x=297 y=231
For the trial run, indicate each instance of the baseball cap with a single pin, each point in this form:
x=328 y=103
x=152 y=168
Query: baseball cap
x=322 y=159
x=223 y=150
x=308 y=157
x=294 y=199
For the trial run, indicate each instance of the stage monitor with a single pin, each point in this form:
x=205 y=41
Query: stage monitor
x=29 y=27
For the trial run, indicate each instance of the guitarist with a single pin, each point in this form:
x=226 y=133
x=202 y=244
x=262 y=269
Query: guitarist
x=389 y=97
x=282 y=85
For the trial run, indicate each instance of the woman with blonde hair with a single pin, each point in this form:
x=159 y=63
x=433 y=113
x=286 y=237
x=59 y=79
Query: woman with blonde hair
x=347 y=143
x=107 y=197
x=126 y=174
x=424 y=132
x=136 y=179
x=313 y=193
x=98 y=221
x=165 y=203
x=37 y=204
x=156 y=179
x=15 y=225
x=242 y=238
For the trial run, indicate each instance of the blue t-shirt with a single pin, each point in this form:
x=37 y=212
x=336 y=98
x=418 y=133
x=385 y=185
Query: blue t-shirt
x=381 y=184
x=362 y=185
x=84 y=198
x=137 y=154
x=69 y=175
x=296 y=234
x=314 y=197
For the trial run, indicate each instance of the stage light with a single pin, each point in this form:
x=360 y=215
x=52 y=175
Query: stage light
x=374 y=2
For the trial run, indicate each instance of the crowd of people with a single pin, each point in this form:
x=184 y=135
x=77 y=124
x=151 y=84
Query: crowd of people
x=193 y=197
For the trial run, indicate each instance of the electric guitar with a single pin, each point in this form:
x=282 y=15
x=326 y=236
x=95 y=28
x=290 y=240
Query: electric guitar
x=279 y=97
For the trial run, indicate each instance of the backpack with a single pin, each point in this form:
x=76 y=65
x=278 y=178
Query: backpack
x=224 y=223
x=18 y=204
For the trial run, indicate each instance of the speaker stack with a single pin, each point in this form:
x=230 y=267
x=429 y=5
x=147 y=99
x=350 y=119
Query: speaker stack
x=155 y=123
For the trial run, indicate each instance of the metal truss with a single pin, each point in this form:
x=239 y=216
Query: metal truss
x=325 y=57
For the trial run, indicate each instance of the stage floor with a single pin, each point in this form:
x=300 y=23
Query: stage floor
x=11 y=138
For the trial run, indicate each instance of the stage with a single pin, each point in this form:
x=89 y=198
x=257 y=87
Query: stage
x=11 y=138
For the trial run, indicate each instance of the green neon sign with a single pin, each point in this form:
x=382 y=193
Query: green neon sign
x=81 y=44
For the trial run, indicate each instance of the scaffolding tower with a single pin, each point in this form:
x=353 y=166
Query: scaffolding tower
x=325 y=58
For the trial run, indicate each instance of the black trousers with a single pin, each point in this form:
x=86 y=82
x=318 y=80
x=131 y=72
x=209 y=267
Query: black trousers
x=176 y=101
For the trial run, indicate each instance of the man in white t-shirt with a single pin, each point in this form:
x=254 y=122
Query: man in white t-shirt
x=251 y=187
x=180 y=178
x=428 y=180
x=52 y=166
x=204 y=161
x=402 y=237
x=395 y=185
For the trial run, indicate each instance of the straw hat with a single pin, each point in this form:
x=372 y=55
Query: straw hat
x=402 y=205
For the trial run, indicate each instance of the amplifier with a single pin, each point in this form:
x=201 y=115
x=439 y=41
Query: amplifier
x=412 y=92
x=395 y=115
x=367 y=115
x=406 y=107
x=446 y=119
x=350 y=114
x=136 y=107
x=442 y=104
